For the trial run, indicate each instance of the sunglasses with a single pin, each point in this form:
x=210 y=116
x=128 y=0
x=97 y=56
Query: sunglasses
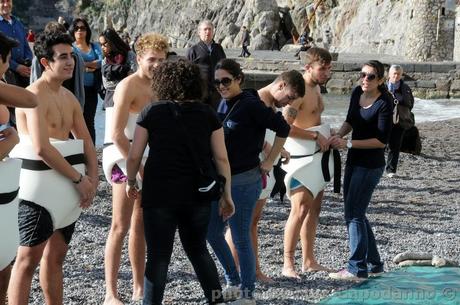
x=80 y=28
x=369 y=76
x=226 y=81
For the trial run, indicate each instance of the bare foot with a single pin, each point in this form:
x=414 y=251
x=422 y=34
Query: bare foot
x=111 y=300
x=290 y=272
x=315 y=267
x=264 y=278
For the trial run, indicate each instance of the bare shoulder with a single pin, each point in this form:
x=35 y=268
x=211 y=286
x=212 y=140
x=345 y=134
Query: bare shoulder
x=69 y=98
x=126 y=89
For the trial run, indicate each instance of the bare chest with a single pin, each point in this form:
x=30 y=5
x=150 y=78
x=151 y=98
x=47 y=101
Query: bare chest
x=58 y=116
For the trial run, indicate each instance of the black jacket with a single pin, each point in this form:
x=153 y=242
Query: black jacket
x=244 y=129
x=404 y=95
x=205 y=59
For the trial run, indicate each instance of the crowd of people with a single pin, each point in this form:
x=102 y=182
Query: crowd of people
x=168 y=119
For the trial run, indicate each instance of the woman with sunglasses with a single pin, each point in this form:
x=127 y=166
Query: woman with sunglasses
x=119 y=61
x=244 y=118
x=369 y=119
x=92 y=56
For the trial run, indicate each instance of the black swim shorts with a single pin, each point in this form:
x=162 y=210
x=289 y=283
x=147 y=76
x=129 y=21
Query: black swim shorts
x=36 y=225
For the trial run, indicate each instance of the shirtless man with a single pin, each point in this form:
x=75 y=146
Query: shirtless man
x=15 y=97
x=58 y=113
x=302 y=114
x=287 y=87
x=131 y=95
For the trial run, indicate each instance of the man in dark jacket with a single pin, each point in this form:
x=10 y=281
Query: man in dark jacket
x=206 y=54
x=403 y=94
x=245 y=43
x=21 y=56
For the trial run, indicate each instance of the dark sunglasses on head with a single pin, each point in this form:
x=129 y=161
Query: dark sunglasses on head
x=226 y=81
x=80 y=28
x=369 y=76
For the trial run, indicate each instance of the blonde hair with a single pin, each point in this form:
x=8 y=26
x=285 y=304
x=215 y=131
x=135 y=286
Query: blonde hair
x=152 y=41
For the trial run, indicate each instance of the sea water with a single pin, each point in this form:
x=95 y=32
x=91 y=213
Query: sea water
x=335 y=110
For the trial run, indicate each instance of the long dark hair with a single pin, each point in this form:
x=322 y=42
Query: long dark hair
x=116 y=44
x=85 y=23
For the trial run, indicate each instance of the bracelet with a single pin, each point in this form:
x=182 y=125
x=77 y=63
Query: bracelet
x=78 y=180
x=132 y=182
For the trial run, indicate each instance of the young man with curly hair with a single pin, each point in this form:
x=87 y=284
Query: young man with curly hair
x=131 y=95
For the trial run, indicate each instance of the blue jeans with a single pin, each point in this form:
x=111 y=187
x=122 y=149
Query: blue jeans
x=358 y=185
x=246 y=188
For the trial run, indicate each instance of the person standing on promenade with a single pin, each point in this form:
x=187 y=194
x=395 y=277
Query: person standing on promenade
x=14 y=96
x=206 y=54
x=369 y=118
x=165 y=126
x=21 y=56
x=287 y=87
x=245 y=119
x=402 y=92
x=57 y=115
x=131 y=95
x=92 y=56
x=119 y=62
x=245 y=42
x=304 y=116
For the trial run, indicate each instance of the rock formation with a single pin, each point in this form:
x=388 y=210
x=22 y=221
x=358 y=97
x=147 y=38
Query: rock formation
x=420 y=30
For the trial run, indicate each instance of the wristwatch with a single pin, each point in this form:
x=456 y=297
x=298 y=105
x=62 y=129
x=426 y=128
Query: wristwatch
x=349 y=144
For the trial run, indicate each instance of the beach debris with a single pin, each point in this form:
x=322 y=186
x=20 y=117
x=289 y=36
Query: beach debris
x=410 y=258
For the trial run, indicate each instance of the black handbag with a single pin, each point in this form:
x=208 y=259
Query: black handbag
x=210 y=185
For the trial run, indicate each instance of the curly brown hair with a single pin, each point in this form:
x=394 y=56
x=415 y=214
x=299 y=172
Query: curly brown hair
x=178 y=80
x=151 y=41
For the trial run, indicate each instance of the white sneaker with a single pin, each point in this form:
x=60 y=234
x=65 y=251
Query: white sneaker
x=230 y=293
x=243 y=301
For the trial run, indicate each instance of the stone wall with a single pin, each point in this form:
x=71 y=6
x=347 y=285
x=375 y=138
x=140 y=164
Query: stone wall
x=431 y=35
x=427 y=80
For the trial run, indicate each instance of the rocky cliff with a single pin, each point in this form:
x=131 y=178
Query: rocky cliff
x=353 y=26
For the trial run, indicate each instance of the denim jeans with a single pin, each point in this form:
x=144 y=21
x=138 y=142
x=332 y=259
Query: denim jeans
x=358 y=185
x=246 y=188
x=160 y=227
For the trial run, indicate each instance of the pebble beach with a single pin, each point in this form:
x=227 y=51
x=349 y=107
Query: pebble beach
x=417 y=210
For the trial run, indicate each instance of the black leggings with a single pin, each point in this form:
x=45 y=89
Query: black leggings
x=160 y=227
x=89 y=110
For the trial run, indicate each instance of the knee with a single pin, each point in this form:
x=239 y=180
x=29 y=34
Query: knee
x=300 y=213
x=119 y=229
x=26 y=265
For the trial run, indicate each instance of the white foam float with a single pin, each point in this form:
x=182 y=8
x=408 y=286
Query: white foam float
x=9 y=230
x=307 y=170
x=48 y=188
x=110 y=154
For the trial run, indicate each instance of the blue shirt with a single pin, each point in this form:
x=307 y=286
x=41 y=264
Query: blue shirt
x=16 y=30
x=94 y=54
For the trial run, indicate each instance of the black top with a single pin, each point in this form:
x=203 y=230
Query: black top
x=206 y=59
x=170 y=173
x=373 y=122
x=244 y=129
